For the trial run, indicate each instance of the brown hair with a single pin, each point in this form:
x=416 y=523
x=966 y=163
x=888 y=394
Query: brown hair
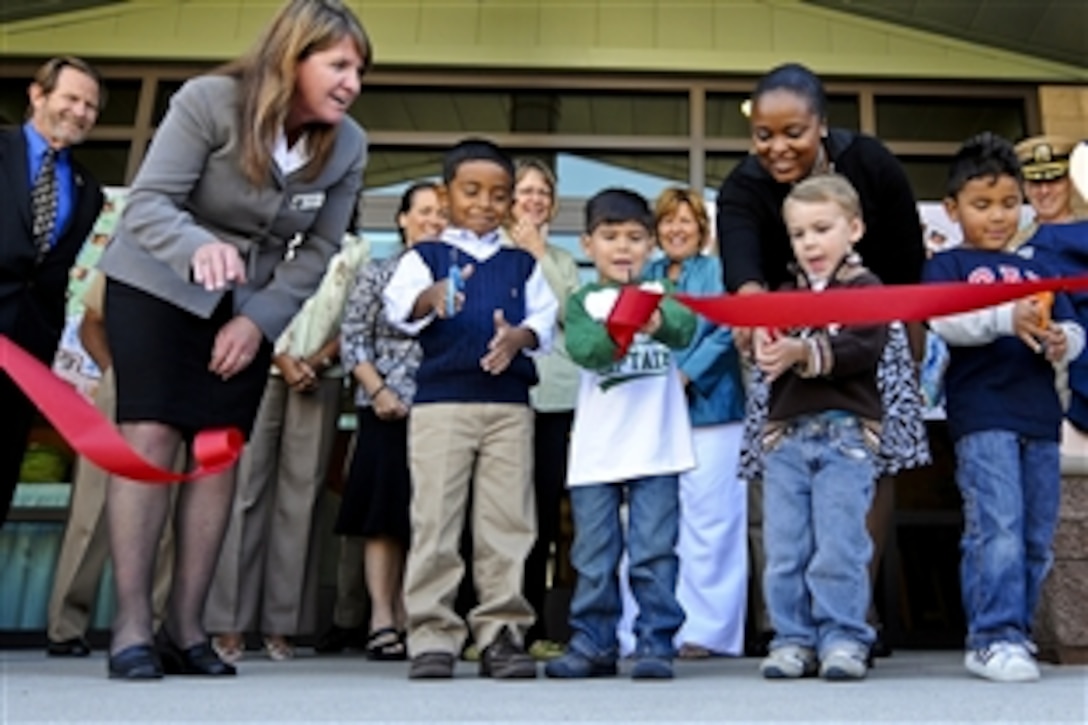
x=49 y=72
x=668 y=203
x=267 y=76
x=523 y=166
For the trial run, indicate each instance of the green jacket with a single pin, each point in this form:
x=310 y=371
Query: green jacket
x=589 y=343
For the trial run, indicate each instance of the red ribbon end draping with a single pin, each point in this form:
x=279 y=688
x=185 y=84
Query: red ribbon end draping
x=867 y=305
x=632 y=310
x=92 y=436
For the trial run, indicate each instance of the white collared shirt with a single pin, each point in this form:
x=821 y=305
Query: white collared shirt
x=413 y=276
x=291 y=159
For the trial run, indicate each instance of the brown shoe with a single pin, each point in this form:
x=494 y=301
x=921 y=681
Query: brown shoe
x=431 y=666
x=506 y=659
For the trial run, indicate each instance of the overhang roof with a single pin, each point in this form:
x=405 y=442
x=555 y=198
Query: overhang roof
x=1053 y=29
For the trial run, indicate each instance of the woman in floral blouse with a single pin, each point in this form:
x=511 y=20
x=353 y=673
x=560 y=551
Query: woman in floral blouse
x=383 y=361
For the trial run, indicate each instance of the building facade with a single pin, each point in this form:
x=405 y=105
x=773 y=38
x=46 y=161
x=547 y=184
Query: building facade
x=644 y=93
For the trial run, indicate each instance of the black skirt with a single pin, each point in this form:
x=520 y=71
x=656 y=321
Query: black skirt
x=378 y=490
x=160 y=360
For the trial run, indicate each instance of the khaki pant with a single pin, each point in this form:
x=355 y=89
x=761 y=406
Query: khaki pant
x=86 y=545
x=268 y=562
x=452 y=446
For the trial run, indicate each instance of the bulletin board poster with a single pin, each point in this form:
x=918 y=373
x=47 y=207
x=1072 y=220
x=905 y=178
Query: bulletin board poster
x=72 y=363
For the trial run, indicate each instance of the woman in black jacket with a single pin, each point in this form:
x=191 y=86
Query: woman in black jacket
x=792 y=141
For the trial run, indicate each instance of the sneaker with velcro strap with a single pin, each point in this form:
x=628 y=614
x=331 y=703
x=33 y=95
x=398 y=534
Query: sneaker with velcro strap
x=788 y=662
x=844 y=662
x=1003 y=662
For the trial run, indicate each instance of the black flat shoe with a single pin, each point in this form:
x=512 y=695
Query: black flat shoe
x=336 y=639
x=136 y=663
x=74 y=647
x=200 y=659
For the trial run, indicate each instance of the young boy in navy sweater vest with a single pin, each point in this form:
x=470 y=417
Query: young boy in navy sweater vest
x=479 y=307
x=1003 y=412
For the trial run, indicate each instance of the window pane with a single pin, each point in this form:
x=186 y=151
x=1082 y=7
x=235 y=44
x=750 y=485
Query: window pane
x=384 y=243
x=718 y=166
x=106 y=160
x=843 y=112
x=390 y=171
x=948 y=119
x=928 y=176
x=397 y=109
x=623 y=114
x=725 y=119
x=13 y=100
x=584 y=174
x=163 y=91
x=503 y=111
x=122 y=98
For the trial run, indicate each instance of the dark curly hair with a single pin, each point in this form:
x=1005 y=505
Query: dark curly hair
x=983 y=155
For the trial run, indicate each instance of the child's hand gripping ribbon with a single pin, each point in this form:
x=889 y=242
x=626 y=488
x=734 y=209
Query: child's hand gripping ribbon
x=632 y=311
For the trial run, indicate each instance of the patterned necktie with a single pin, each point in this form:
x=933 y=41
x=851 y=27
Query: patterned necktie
x=43 y=203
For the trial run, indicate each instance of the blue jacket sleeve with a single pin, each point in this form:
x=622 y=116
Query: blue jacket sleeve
x=705 y=360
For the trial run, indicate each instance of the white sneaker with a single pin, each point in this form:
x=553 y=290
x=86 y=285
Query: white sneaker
x=843 y=663
x=1003 y=662
x=788 y=663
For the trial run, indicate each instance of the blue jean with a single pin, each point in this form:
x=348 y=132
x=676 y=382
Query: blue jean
x=1011 y=488
x=653 y=524
x=816 y=495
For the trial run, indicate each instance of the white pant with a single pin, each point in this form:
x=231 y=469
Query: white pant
x=712 y=547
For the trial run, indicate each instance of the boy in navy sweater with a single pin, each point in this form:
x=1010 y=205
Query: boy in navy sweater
x=1003 y=413
x=478 y=306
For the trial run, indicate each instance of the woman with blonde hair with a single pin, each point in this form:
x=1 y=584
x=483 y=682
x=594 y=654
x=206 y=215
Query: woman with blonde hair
x=535 y=204
x=243 y=197
x=712 y=546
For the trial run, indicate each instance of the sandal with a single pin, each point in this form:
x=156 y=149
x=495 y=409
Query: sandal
x=386 y=645
x=278 y=648
x=230 y=647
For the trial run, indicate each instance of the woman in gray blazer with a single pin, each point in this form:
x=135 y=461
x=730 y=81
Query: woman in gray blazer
x=245 y=193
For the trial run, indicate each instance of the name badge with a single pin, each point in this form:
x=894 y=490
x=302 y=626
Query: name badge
x=308 y=202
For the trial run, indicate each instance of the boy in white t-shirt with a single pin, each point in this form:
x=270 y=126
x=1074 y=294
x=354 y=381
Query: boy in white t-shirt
x=631 y=439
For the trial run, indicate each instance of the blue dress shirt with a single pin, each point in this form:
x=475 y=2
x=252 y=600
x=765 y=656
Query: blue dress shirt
x=36 y=146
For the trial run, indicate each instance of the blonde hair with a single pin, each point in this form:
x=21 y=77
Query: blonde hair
x=522 y=167
x=268 y=72
x=668 y=203
x=833 y=188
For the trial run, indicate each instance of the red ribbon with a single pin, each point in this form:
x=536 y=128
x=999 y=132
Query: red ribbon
x=851 y=306
x=632 y=310
x=94 y=437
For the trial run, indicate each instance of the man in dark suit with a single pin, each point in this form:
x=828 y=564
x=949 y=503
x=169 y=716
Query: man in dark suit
x=48 y=204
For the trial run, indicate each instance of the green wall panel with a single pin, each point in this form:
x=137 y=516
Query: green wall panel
x=693 y=36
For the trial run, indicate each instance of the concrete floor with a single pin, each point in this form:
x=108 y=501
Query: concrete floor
x=918 y=687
